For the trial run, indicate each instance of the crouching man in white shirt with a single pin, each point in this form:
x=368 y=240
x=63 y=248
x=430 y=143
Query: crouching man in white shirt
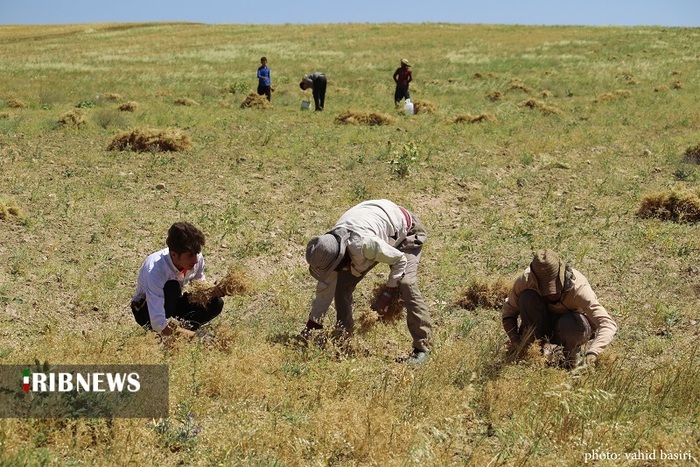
x=161 y=279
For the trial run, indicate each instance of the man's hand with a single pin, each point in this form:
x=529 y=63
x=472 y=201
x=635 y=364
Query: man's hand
x=384 y=299
x=172 y=329
x=218 y=291
x=514 y=346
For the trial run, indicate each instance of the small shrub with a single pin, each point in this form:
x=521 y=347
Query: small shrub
x=481 y=294
x=404 y=160
x=237 y=88
x=685 y=174
x=674 y=206
x=178 y=433
x=692 y=154
x=107 y=117
x=629 y=79
x=468 y=118
x=16 y=104
x=516 y=84
x=254 y=100
x=424 y=107
x=151 y=140
x=75 y=118
x=494 y=96
x=186 y=102
x=364 y=118
x=85 y=105
x=128 y=106
x=9 y=208
x=360 y=193
x=677 y=85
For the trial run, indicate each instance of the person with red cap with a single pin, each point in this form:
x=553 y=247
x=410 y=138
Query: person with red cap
x=555 y=302
x=372 y=232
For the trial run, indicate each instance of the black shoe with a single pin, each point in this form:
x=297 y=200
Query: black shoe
x=418 y=357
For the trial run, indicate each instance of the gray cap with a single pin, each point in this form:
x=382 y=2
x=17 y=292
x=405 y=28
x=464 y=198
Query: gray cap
x=324 y=253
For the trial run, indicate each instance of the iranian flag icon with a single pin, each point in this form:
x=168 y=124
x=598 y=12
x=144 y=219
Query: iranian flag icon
x=25 y=380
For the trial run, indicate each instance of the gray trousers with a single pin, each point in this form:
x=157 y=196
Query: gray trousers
x=570 y=330
x=417 y=316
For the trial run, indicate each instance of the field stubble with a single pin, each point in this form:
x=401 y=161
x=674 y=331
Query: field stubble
x=261 y=181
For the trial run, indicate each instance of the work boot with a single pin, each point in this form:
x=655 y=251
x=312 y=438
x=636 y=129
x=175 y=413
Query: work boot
x=417 y=357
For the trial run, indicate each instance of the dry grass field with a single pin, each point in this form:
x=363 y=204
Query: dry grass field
x=532 y=137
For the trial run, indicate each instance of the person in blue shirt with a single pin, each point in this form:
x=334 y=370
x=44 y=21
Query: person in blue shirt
x=264 y=80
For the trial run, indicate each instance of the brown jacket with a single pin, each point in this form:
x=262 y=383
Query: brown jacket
x=578 y=297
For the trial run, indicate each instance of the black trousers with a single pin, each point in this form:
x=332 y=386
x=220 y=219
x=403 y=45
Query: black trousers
x=178 y=306
x=570 y=330
x=401 y=93
x=265 y=91
x=319 y=92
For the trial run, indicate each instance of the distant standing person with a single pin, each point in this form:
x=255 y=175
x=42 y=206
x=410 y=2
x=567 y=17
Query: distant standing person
x=402 y=77
x=317 y=82
x=264 y=80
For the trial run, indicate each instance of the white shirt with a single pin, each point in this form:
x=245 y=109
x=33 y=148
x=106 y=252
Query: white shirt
x=156 y=270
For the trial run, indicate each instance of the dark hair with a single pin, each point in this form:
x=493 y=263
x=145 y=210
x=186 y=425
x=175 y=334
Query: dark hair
x=184 y=237
x=263 y=59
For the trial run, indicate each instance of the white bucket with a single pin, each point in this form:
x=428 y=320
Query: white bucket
x=305 y=105
x=408 y=107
